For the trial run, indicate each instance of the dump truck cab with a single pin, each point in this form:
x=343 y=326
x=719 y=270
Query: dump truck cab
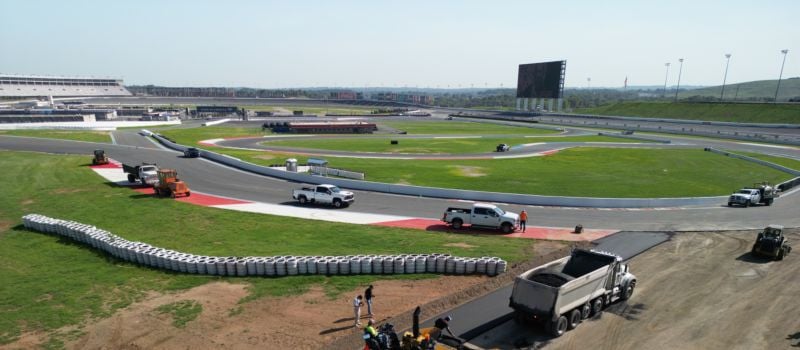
x=169 y=185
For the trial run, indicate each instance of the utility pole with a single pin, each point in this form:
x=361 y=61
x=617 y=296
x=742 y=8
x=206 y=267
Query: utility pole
x=680 y=70
x=725 y=78
x=784 y=52
x=666 y=76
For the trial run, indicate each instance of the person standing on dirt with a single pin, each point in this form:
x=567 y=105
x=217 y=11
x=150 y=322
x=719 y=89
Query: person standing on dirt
x=357 y=303
x=523 y=219
x=368 y=298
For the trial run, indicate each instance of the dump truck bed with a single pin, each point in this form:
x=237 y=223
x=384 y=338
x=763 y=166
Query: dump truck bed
x=563 y=284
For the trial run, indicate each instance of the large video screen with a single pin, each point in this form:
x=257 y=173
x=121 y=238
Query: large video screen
x=540 y=80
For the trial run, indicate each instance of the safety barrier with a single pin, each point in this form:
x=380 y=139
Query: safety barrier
x=754 y=160
x=285 y=265
x=433 y=192
x=216 y=122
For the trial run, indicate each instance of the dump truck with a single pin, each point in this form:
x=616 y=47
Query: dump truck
x=169 y=185
x=145 y=173
x=771 y=243
x=482 y=215
x=562 y=293
x=99 y=157
x=324 y=194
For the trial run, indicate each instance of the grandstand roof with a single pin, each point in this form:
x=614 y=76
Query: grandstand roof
x=12 y=85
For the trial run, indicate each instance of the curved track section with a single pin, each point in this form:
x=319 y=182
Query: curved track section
x=218 y=180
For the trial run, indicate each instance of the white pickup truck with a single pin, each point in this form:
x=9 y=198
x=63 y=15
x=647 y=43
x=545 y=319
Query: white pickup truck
x=483 y=215
x=146 y=173
x=324 y=194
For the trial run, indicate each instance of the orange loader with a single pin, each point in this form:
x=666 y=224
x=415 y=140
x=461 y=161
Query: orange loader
x=169 y=185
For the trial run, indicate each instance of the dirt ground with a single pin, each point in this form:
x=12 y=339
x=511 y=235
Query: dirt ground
x=697 y=291
x=308 y=321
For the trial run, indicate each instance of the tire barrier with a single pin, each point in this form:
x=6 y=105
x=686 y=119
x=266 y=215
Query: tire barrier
x=166 y=259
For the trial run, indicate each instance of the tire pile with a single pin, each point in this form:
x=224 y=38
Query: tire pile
x=147 y=255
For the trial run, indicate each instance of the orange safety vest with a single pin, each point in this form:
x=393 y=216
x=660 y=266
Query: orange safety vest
x=523 y=216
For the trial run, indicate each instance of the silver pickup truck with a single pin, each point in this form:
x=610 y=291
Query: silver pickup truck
x=324 y=194
x=562 y=293
x=482 y=215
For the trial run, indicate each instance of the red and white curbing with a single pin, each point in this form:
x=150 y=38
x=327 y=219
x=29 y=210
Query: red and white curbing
x=113 y=172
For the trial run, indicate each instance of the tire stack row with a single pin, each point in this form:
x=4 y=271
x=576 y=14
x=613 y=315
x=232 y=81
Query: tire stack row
x=165 y=259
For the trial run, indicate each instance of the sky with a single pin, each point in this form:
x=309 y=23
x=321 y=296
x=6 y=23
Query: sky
x=426 y=44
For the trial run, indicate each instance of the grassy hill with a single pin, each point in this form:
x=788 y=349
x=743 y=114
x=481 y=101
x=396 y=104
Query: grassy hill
x=749 y=91
x=729 y=112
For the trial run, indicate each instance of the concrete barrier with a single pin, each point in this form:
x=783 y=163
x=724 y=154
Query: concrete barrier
x=641 y=138
x=754 y=160
x=434 y=192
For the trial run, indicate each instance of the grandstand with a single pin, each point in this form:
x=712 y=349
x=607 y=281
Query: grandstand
x=42 y=86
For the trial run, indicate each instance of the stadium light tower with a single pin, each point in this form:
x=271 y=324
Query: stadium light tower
x=680 y=70
x=784 y=52
x=725 y=77
x=666 y=76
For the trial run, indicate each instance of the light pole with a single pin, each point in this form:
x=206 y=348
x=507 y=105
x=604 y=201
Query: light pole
x=589 y=83
x=728 y=61
x=680 y=70
x=784 y=52
x=666 y=76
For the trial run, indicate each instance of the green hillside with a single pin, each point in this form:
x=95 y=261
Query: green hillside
x=729 y=112
x=760 y=90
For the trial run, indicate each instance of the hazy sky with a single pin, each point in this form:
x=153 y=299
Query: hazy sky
x=278 y=44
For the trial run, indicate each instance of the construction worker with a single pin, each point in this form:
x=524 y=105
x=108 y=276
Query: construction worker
x=357 y=303
x=523 y=219
x=441 y=325
x=371 y=336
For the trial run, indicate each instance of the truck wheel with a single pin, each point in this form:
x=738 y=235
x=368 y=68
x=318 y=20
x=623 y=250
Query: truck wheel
x=337 y=203
x=628 y=291
x=302 y=200
x=753 y=250
x=131 y=178
x=769 y=202
x=457 y=224
x=506 y=227
x=172 y=194
x=574 y=319
x=780 y=254
x=586 y=310
x=747 y=203
x=730 y=204
x=559 y=326
x=597 y=306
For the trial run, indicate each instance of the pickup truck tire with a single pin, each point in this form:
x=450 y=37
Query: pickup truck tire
x=730 y=204
x=337 y=203
x=507 y=227
x=303 y=200
x=779 y=257
x=747 y=203
x=769 y=202
x=131 y=178
x=574 y=319
x=458 y=224
x=559 y=326
x=597 y=306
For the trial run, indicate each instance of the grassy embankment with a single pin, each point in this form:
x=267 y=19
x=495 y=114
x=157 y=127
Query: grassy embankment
x=728 y=112
x=49 y=282
x=90 y=136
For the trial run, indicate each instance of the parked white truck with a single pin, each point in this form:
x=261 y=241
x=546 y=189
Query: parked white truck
x=482 y=215
x=562 y=293
x=324 y=194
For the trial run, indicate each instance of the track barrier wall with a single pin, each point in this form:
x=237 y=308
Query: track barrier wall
x=433 y=192
x=784 y=186
x=271 y=266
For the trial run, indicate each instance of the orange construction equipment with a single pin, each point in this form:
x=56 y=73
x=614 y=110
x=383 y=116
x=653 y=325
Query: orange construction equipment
x=169 y=184
x=99 y=157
